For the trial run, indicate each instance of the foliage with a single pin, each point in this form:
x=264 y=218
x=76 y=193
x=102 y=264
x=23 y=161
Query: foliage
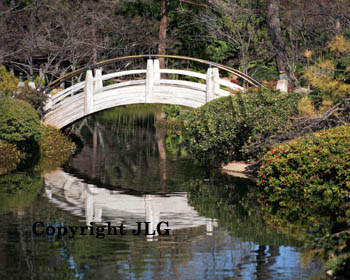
x=170 y=125
x=18 y=190
x=8 y=82
x=306 y=107
x=55 y=149
x=239 y=127
x=172 y=112
x=340 y=266
x=306 y=181
x=19 y=123
x=10 y=156
x=36 y=98
x=331 y=76
x=233 y=204
x=174 y=145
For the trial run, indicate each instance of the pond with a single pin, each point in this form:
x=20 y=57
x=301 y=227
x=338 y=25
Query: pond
x=130 y=174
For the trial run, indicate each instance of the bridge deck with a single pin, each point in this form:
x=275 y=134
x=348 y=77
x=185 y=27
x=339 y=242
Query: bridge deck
x=92 y=96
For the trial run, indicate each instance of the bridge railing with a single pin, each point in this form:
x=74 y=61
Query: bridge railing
x=211 y=86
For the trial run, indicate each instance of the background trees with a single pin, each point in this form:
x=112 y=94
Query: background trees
x=260 y=37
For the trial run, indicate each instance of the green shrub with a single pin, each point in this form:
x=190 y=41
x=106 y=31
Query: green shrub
x=306 y=182
x=239 y=127
x=172 y=112
x=19 y=123
x=10 y=156
x=312 y=172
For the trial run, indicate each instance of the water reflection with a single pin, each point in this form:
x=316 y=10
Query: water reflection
x=126 y=173
x=129 y=153
x=96 y=204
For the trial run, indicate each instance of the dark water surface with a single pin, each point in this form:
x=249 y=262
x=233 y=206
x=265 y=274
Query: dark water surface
x=127 y=172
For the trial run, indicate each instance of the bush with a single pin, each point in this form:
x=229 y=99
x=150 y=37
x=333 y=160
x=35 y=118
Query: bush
x=36 y=98
x=8 y=82
x=340 y=266
x=172 y=112
x=312 y=172
x=10 y=156
x=55 y=149
x=19 y=123
x=306 y=182
x=240 y=127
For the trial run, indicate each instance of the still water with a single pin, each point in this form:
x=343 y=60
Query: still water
x=128 y=172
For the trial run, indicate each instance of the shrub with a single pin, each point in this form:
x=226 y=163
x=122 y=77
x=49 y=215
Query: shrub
x=19 y=123
x=238 y=127
x=36 y=98
x=8 y=82
x=340 y=266
x=312 y=172
x=306 y=182
x=55 y=149
x=172 y=112
x=10 y=156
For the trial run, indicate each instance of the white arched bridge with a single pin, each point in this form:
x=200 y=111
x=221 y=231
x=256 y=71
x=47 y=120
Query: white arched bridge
x=96 y=93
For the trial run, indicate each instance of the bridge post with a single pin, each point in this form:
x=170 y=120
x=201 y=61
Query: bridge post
x=216 y=81
x=149 y=81
x=98 y=83
x=210 y=85
x=156 y=72
x=89 y=92
x=48 y=103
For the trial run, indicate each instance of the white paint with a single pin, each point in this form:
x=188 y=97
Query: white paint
x=98 y=79
x=89 y=92
x=91 y=96
x=149 y=81
x=210 y=86
x=156 y=70
x=282 y=85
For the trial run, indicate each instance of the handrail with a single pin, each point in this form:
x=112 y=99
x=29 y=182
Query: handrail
x=240 y=74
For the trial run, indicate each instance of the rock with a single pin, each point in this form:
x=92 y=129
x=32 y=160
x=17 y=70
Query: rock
x=302 y=90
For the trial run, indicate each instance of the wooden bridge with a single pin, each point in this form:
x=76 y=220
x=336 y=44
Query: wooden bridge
x=93 y=94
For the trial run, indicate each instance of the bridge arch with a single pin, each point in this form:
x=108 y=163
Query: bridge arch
x=91 y=95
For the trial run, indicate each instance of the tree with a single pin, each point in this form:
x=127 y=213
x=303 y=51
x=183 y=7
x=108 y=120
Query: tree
x=162 y=32
x=275 y=33
x=236 y=34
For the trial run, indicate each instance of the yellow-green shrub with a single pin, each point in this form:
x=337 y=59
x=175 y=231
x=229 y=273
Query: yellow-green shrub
x=55 y=149
x=10 y=156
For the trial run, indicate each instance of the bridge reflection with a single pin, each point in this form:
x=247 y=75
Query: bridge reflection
x=100 y=205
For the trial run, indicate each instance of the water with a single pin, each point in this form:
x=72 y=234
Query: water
x=129 y=172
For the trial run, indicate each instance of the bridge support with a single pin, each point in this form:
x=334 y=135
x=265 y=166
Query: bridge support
x=156 y=71
x=212 y=83
x=149 y=81
x=98 y=83
x=89 y=93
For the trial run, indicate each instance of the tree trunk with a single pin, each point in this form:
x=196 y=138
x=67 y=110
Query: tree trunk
x=274 y=29
x=162 y=32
